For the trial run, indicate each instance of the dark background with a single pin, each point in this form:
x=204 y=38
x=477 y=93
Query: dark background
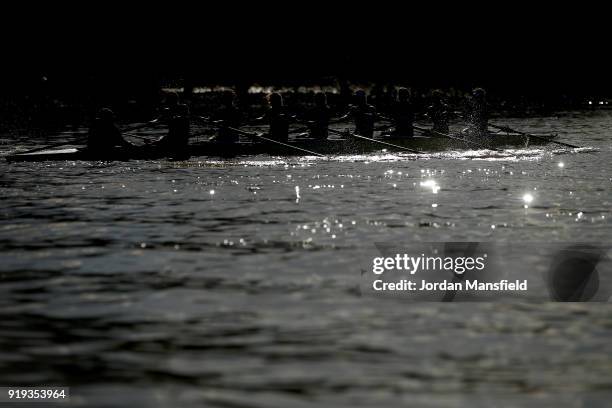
x=508 y=48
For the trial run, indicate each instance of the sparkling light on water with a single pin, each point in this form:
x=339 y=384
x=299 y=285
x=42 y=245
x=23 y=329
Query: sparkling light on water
x=431 y=184
x=528 y=199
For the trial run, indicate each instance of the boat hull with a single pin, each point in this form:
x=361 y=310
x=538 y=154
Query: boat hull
x=335 y=146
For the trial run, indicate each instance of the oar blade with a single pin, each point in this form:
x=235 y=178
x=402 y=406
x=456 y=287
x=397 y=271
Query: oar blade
x=510 y=130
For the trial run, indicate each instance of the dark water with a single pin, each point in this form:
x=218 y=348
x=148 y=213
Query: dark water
x=236 y=283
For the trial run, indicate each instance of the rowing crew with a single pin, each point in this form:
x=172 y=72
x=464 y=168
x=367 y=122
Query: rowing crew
x=363 y=114
x=104 y=134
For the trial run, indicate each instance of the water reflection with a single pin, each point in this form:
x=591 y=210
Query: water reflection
x=243 y=298
x=431 y=184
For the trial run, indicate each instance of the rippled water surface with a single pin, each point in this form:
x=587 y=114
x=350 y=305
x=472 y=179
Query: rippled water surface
x=236 y=283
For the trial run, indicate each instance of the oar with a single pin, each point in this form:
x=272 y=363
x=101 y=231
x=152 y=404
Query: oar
x=38 y=149
x=424 y=130
x=300 y=129
x=507 y=129
x=146 y=139
x=460 y=139
x=267 y=139
x=278 y=143
x=152 y=122
x=355 y=135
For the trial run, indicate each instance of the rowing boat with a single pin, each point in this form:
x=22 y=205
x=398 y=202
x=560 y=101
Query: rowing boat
x=331 y=146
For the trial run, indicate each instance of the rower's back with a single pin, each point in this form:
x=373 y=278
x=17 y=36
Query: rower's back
x=104 y=134
x=229 y=116
x=278 y=118
x=364 y=115
x=319 y=117
x=177 y=138
x=402 y=112
x=438 y=113
x=478 y=113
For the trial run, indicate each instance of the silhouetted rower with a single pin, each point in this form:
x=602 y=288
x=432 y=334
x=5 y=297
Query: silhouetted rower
x=104 y=134
x=378 y=97
x=176 y=141
x=228 y=116
x=277 y=118
x=319 y=117
x=478 y=114
x=402 y=113
x=438 y=113
x=363 y=114
x=172 y=106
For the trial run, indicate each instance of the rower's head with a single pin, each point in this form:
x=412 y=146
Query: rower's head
x=182 y=110
x=403 y=95
x=275 y=100
x=105 y=116
x=479 y=94
x=320 y=99
x=172 y=98
x=361 y=99
x=228 y=98
x=437 y=96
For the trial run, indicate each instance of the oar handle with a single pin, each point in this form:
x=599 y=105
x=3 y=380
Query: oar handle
x=151 y=122
x=300 y=129
x=502 y=128
x=146 y=139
